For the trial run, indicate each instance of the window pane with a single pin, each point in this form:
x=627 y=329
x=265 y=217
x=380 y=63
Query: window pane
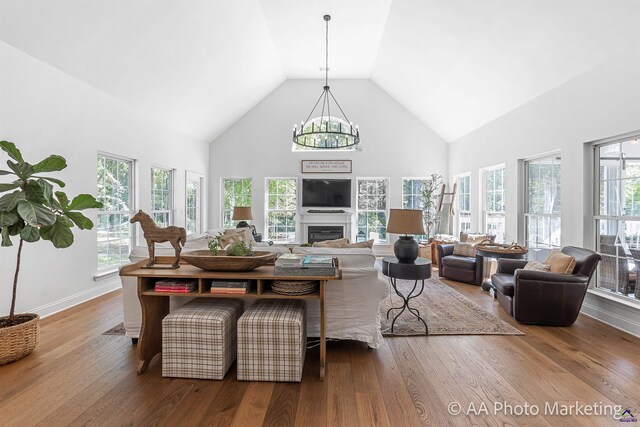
x=112 y=226
x=412 y=197
x=618 y=243
x=372 y=207
x=162 y=196
x=236 y=192
x=281 y=209
x=193 y=205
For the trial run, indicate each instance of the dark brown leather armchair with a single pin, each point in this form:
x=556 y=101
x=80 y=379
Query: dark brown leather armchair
x=542 y=297
x=459 y=268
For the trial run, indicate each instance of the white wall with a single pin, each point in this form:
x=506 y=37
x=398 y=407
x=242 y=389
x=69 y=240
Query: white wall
x=45 y=111
x=601 y=103
x=395 y=143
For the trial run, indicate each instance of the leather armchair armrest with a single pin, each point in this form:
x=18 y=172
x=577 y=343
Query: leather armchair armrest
x=547 y=276
x=443 y=251
x=509 y=266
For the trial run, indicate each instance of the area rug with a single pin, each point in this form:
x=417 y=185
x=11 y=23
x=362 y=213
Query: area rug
x=116 y=330
x=446 y=311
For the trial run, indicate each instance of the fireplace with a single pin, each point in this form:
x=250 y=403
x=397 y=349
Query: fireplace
x=318 y=233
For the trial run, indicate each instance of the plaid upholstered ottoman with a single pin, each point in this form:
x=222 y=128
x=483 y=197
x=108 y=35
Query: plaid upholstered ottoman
x=199 y=339
x=272 y=341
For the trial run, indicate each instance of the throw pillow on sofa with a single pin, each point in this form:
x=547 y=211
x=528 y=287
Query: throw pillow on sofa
x=464 y=249
x=537 y=265
x=367 y=244
x=560 y=262
x=337 y=243
x=233 y=235
x=474 y=237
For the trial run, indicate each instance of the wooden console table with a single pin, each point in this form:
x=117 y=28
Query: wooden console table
x=155 y=305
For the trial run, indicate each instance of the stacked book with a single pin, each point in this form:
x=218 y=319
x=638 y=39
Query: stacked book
x=309 y=265
x=179 y=286
x=230 y=286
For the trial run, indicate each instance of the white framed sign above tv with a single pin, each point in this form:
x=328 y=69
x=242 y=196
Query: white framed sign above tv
x=326 y=166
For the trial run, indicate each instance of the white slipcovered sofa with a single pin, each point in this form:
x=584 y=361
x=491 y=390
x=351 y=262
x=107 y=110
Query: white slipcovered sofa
x=351 y=304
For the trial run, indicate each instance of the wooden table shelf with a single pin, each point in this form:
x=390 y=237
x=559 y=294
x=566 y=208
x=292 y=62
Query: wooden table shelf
x=155 y=305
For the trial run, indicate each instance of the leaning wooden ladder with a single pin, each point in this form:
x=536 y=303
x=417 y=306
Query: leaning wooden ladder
x=442 y=196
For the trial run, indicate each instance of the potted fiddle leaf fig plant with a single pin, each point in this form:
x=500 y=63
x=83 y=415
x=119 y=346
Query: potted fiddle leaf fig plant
x=30 y=210
x=430 y=198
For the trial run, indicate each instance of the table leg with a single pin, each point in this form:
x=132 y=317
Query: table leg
x=404 y=302
x=486 y=274
x=405 y=305
x=323 y=332
x=154 y=309
x=415 y=311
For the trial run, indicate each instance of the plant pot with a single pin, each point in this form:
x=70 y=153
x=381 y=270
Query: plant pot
x=19 y=340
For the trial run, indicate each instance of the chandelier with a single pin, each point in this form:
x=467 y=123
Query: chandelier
x=327 y=132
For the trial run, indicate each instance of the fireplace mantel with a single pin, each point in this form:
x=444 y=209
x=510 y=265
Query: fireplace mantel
x=305 y=219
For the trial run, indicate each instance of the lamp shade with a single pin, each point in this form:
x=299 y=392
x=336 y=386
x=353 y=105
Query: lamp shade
x=242 y=213
x=405 y=221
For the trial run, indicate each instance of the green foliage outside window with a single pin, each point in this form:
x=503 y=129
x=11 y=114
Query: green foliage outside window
x=281 y=209
x=235 y=192
x=114 y=179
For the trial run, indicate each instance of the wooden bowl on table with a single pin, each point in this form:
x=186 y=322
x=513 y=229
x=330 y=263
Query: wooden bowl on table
x=204 y=260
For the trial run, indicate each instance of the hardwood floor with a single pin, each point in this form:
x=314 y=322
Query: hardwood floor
x=76 y=376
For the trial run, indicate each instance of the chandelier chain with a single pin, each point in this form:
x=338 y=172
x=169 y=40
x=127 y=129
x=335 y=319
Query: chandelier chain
x=326 y=57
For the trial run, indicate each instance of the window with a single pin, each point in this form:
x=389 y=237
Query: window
x=617 y=215
x=115 y=191
x=464 y=202
x=412 y=197
x=281 y=204
x=542 y=206
x=494 y=218
x=162 y=196
x=372 y=208
x=193 y=203
x=235 y=192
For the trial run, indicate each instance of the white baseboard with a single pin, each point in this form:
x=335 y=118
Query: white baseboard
x=618 y=315
x=79 y=298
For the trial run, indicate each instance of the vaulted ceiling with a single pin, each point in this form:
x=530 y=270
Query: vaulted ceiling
x=198 y=65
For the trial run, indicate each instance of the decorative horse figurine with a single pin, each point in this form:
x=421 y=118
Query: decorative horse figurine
x=152 y=234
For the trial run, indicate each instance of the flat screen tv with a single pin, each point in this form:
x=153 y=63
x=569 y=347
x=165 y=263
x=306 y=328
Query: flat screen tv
x=326 y=193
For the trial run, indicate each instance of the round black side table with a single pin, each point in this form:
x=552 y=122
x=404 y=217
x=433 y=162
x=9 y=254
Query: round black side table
x=420 y=270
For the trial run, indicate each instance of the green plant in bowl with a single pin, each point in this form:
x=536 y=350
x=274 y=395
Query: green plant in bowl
x=215 y=246
x=239 y=249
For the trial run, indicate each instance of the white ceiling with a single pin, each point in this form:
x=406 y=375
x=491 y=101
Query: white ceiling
x=298 y=30
x=199 y=65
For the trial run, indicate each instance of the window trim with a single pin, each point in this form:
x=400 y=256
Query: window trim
x=418 y=237
x=388 y=198
x=485 y=211
x=267 y=210
x=459 y=211
x=526 y=215
x=133 y=203
x=596 y=216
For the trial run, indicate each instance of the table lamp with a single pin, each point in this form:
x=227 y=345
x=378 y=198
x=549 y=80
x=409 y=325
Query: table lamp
x=405 y=221
x=242 y=214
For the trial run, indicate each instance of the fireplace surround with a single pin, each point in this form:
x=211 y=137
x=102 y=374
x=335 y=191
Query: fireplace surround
x=341 y=220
